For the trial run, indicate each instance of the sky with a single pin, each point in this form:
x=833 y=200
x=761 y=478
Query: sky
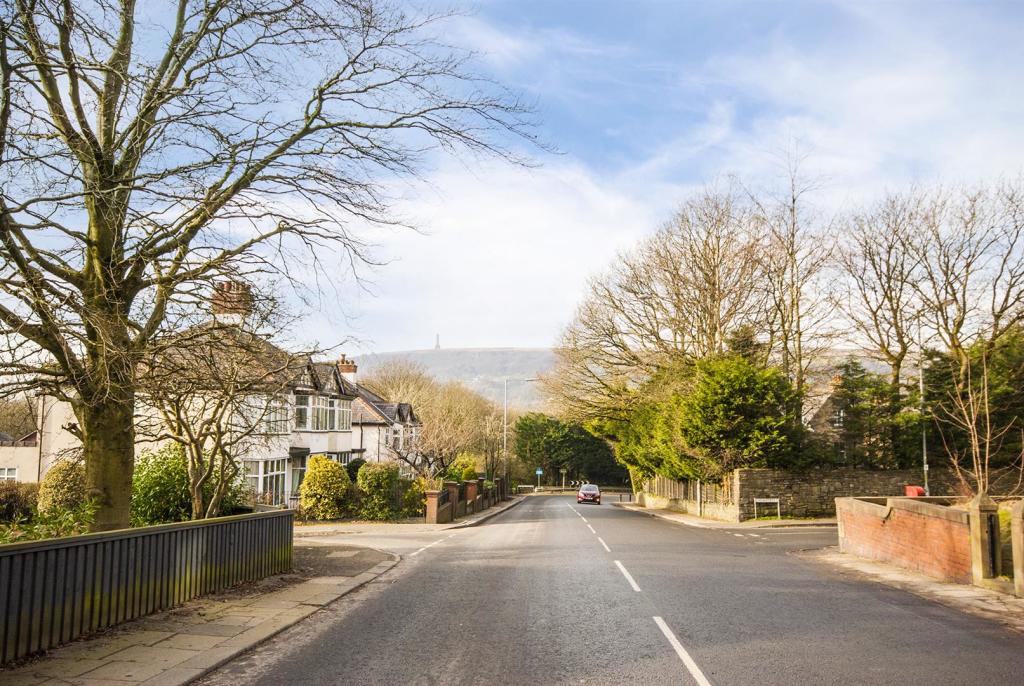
x=644 y=102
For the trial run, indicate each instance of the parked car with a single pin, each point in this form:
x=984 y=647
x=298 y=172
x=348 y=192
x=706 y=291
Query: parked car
x=589 y=493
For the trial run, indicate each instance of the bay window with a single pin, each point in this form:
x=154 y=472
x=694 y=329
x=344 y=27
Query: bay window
x=301 y=411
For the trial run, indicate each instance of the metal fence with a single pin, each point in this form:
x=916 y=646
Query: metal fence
x=55 y=590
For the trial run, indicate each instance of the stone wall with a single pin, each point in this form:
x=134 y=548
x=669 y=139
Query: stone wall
x=801 y=494
x=921 y=536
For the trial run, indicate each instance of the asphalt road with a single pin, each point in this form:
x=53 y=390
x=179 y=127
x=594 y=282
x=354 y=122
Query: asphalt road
x=553 y=592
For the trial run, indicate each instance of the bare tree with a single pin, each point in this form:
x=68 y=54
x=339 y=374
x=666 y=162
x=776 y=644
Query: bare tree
x=220 y=391
x=454 y=418
x=796 y=253
x=879 y=270
x=676 y=298
x=970 y=248
x=145 y=152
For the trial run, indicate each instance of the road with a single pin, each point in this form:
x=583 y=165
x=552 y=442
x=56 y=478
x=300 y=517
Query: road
x=552 y=592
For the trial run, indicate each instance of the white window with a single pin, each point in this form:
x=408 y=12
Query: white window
x=396 y=437
x=332 y=412
x=301 y=411
x=266 y=478
x=298 y=472
x=8 y=473
x=344 y=415
x=320 y=411
x=275 y=421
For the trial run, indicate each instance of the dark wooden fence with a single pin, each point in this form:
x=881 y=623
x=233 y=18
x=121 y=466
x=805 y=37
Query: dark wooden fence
x=55 y=590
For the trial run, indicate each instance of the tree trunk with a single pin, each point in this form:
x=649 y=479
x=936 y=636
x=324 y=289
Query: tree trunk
x=108 y=443
x=894 y=408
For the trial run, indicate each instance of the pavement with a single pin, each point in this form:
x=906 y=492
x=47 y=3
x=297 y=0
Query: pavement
x=552 y=592
x=178 y=646
x=704 y=523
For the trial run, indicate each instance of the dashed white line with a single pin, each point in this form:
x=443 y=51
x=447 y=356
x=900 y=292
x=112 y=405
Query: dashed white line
x=591 y=529
x=629 y=577
x=604 y=544
x=583 y=518
x=429 y=545
x=691 y=666
x=738 y=535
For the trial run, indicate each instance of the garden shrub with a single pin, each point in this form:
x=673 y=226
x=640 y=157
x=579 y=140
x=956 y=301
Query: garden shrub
x=463 y=468
x=414 y=501
x=160 y=492
x=353 y=468
x=160 y=487
x=17 y=500
x=62 y=488
x=324 y=489
x=378 y=483
x=57 y=524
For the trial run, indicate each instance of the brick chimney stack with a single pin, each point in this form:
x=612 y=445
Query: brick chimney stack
x=231 y=300
x=347 y=368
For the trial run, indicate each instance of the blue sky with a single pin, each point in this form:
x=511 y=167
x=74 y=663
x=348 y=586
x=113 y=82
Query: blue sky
x=646 y=101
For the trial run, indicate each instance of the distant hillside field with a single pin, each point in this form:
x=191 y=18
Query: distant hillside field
x=482 y=369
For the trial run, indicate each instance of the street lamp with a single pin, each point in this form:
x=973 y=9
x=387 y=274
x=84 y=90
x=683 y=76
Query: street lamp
x=504 y=427
x=924 y=424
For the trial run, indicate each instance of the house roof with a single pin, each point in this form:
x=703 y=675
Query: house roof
x=379 y=409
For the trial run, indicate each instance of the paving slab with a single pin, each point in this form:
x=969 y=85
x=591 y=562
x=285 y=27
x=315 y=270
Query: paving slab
x=178 y=646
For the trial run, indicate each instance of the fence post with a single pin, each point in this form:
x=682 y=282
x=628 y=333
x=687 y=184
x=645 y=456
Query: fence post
x=453 y=496
x=1017 y=536
x=432 y=506
x=985 y=550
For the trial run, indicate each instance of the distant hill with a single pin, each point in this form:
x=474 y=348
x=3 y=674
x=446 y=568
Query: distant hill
x=482 y=369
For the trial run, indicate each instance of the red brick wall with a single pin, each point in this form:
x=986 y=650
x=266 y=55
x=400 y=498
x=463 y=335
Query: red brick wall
x=924 y=538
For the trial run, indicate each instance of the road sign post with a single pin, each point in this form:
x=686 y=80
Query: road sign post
x=539 y=472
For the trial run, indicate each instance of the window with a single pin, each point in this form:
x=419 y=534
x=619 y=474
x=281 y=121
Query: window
x=344 y=458
x=320 y=411
x=396 y=437
x=331 y=414
x=298 y=472
x=8 y=473
x=344 y=415
x=275 y=421
x=301 y=411
x=838 y=416
x=266 y=478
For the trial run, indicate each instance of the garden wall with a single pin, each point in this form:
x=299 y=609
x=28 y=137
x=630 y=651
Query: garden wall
x=914 y=534
x=800 y=494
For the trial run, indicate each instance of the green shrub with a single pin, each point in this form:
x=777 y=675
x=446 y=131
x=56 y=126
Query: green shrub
x=17 y=500
x=160 y=487
x=324 y=489
x=62 y=488
x=353 y=468
x=463 y=465
x=160 y=492
x=57 y=524
x=414 y=501
x=378 y=483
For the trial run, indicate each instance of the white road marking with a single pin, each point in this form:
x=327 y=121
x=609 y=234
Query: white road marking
x=604 y=544
x=691 y=666
x=429 y=545
x=628 y=576
x=591 y=529
x=583 y=518
x=738 y=535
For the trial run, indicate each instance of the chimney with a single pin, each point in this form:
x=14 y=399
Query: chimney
x=347 y=368
x=232 y=300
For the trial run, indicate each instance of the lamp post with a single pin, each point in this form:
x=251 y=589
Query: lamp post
x=504 y=427
x=920 y=381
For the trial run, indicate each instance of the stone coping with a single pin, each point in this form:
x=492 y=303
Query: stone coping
x=927 y=507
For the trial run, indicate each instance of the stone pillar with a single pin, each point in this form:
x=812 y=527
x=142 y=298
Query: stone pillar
x=453 y=496
x=1017 y=536
x=985 y=548
x=432 y=506
x=481 y=492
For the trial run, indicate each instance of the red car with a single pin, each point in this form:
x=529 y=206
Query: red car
x=589 y=493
